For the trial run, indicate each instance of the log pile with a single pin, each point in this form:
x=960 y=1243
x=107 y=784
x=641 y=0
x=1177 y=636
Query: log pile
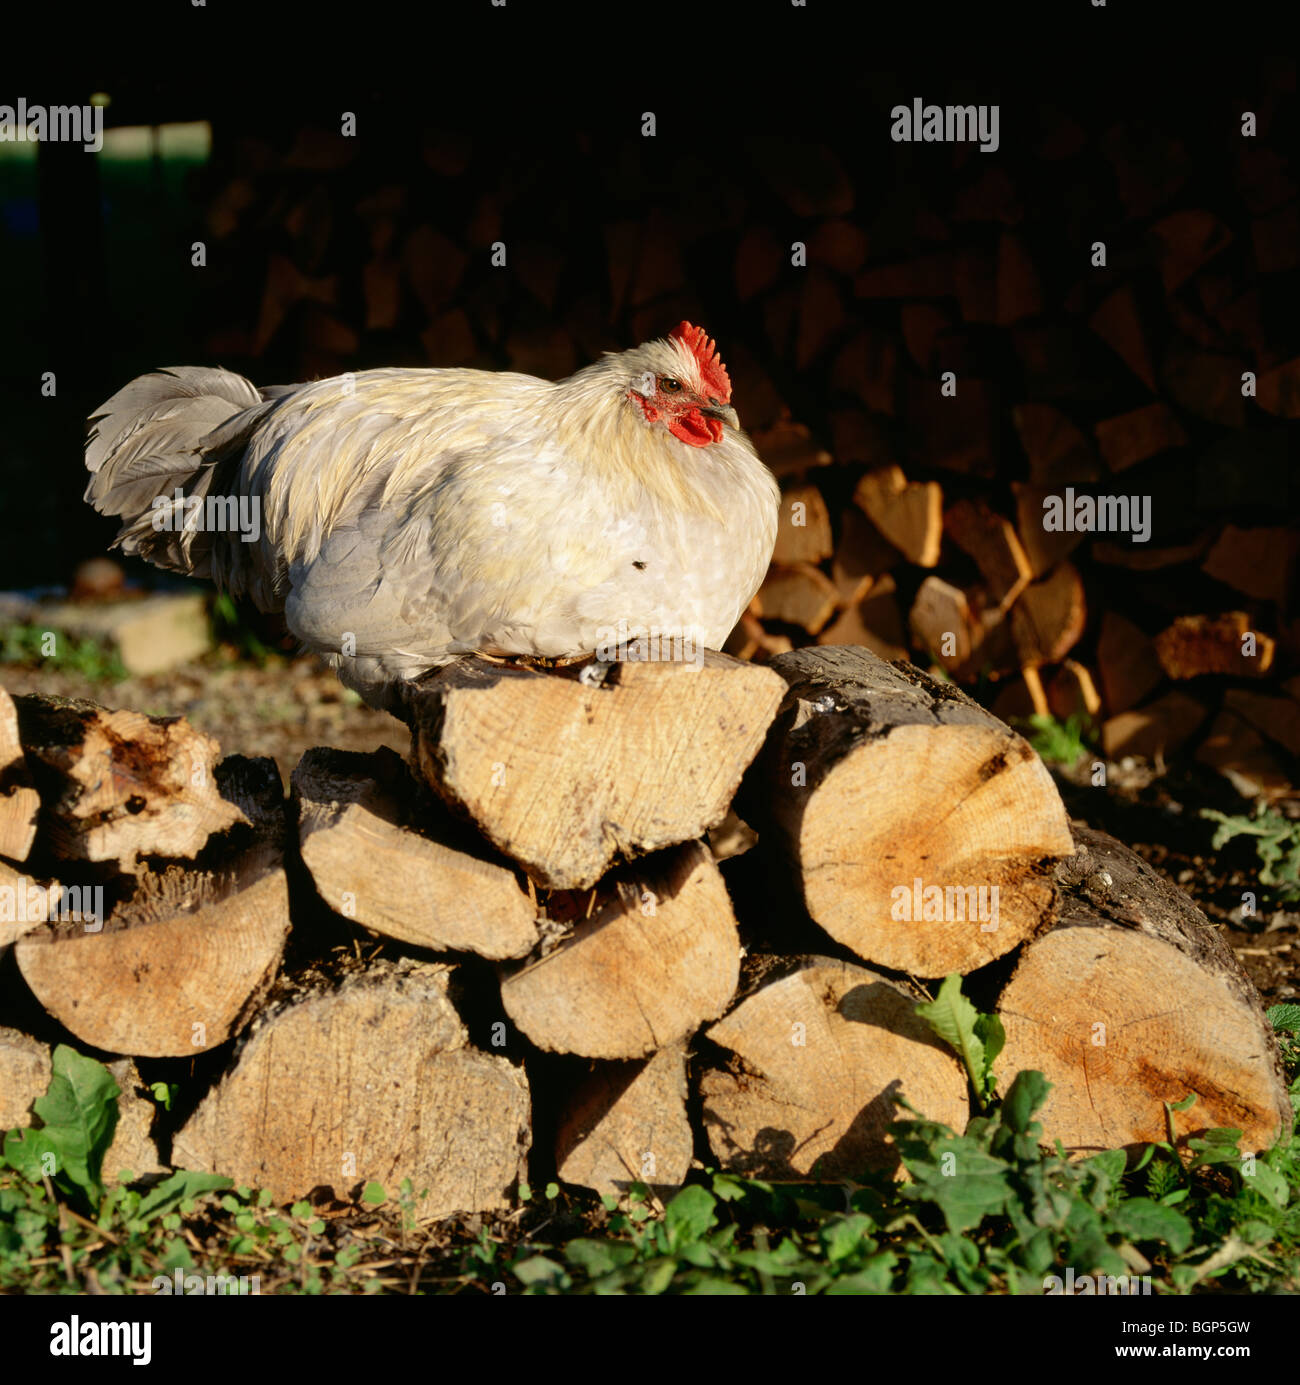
x=1055 y=470
x=578 y=938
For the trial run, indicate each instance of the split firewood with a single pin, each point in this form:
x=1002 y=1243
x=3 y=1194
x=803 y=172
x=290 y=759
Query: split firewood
x=943 y=623
x=1117 y=323
x=804 y=531
x=19 y=801
x=184 y=962
x=862 y=554
x=799 y=595
x=116 y=785
x=908 y=513
x=867 y=365
x=1278 y=718
x=872 y=621
x=404 y=874
x=1072 y=692
x=1258 y=562
x=659 y=958
x=1187 y=240
x=374 y=1080
x=1205 y=383
x=27 y=901
x=1127 y=661
x=788 y=449
x=817 y=1058
x=1239 y=753
x=563 y=777
x=917 y=894
x=1131 y=1001
x=924 y=326
x=1143 y=558
x=1059 y=454
x=992 y=542
x=1049 y=616
x=1278 y=390
x=821 y=318
x=1130 y=438
x=1197 y=644
x=627 y=1123
x=1019 y=290
x=1043 y=547
x=1154 y=729
x=760 y=257
x=750 y=640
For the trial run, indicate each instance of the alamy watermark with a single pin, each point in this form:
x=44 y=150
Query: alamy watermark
x=652 y=645
x=215 y=514
x=83 y=125
x=1098 y=514
x=27 y=902
x=922 y=124
x=922 y=903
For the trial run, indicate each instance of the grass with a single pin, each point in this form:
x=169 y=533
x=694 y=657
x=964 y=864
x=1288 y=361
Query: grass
x=34 y=644
x=986 y=1211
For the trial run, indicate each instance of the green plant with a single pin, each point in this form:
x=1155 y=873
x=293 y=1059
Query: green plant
x=1277 y=844
x=1058 y=743
x=976 y=1038
x=27 y=644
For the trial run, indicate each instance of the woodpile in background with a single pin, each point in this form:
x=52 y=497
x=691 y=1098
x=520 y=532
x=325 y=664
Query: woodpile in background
x=580 y=941
x=924 y=354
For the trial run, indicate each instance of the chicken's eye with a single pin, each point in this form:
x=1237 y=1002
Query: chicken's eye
x=668 y=385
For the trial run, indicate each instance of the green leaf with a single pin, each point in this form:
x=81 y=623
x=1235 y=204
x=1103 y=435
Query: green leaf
x=658 y=1275
x=171 y=1192
x=373 y=1193
x=537 y=1269
x=959 y=1177
x=875 y=1276
x=954 y=1018
x=1025 y=1096
x=1140 y=1219
x=599 y=1257
x=79 y=1114
x=1285 y=1018
x=690 y=1215
x=26 y=1150
x=1269 y=1184
x=847 y=1234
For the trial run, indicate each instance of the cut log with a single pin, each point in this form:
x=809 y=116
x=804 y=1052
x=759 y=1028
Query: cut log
x=750 y=640
x=1154 y=729
x=1130 y=438
x=799 y=595
x=372 y=1081
x=1278 y=390
x=26 y=902
x=24 y=1075
x=1259 y=562
x=854 y=738
x=1048 y=618
x=376 y=860
x=659 y=959
x=183 y=963
x=1132 y=1000
x=626 y=1124
x=1128 y=663
x=19 y=801
x=991 y=541
x=908 y=513
x=788 y=449
x=563 y=777
x=117 y=785
x=133 y=1149
x=867 y=365
x=1195 y=645
x=804 y=531
x=818 y=1058
x=1205 y=383
x=1019 y=290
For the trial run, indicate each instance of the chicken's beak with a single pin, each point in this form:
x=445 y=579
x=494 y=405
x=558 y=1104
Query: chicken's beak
x=723 y=411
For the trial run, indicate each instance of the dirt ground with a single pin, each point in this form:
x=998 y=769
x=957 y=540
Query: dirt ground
x=290 y=705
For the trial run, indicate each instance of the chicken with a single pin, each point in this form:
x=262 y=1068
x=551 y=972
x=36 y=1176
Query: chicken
x=402 y=519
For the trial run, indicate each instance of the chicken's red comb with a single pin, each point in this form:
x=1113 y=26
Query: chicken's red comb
x=698 y=342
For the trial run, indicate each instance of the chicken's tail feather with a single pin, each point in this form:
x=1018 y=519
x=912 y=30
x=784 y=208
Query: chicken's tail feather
x=161 y=442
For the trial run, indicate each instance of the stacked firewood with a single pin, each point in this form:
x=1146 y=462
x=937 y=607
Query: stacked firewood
x=677 y=912
x=1041 y=450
